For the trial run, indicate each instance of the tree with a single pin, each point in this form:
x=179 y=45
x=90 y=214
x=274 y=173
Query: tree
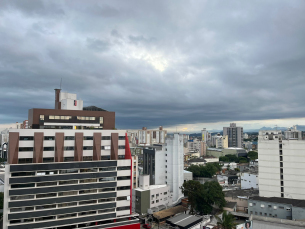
x=203 y=197
x=224 y=159
x=242 y=160
x=227 y=221
x=252 y=155
x=190 y=189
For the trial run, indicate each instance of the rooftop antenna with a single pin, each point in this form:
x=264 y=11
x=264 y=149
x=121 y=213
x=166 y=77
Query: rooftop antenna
x=60 y=83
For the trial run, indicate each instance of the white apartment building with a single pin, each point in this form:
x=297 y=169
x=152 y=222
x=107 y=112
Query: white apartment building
x=146 y=137
x=293 y=133
x=164 y=164
x=281 y=166
x=249 y=180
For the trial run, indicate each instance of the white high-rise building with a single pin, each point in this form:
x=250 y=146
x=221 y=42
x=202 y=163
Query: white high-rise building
x=281 y=166
x=164 y=164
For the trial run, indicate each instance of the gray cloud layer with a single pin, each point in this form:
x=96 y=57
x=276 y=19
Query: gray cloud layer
x=155 y=62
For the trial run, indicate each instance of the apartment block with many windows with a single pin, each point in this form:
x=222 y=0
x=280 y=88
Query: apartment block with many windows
x=68 y=178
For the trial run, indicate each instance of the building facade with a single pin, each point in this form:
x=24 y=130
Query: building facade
x=281 y=166
x=282 y=208
x=249 y=180
x=164 y=164
x=146 y=137
x=235 y=135
x=68 y=178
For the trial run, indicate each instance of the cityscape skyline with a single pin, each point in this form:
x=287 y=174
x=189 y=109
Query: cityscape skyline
x=202 y=65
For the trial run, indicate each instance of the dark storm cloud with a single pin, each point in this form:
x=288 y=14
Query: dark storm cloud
x=155 y=62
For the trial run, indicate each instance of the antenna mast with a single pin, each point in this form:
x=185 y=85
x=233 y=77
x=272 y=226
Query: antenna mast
x=60 y=83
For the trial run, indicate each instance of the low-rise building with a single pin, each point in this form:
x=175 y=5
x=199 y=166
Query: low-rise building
x=249 y=180
x=150 y=198
x=277 y=207
x=187 y=175
x=239 y=152
x=240 y=197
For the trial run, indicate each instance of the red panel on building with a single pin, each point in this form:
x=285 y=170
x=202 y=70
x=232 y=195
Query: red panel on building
x=132 y=226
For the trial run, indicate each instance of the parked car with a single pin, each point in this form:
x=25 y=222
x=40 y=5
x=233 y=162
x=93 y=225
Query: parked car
x=146 y=225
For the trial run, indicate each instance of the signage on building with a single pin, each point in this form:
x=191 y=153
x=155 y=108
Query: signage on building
x=246 y=225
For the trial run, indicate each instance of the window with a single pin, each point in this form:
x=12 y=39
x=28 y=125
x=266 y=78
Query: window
x=67 y=182
x=42 y=173
x=106 y=190
x=66 y=216
x=22 y=209
x=45 y=218
x=69 y=137
x=274 y=207
x=46 y=195
x=121 y=147
x=23 y=149
x=121 y=137
x=41 y=117
x=123 y=188
x=22 y=174
x=280 y=207
x=101 y=120
x=87 y=147
x=124 y=168
x=56 y=117
x=22 y=197
x=66 y=159
x=48 y=148
x=46 y=184
x=26 y=138
x=49 y=138
x=107 y=179
x=91 y=180
x=123 y=178
x=106 y=200
x=68 y=171
x=105 y=157
x=88 y=191
x=87 y=158
x=165 y=193
x=67 y=204
x=269 y=206
x=70 y=193
x=121 y=198
x=106 y=138
x=111 y=169
x=45 y=206
x=106 y=210
x=288 y=209
x=48 y=159
x=68 y=147
x=87 y=202
x=25 y=160
x=51 y=117
x=29 y=185
x=88 y=137
x=123 y=208
x=121 y=156
x=88 y=170
x=106 y=148
x=250 y=204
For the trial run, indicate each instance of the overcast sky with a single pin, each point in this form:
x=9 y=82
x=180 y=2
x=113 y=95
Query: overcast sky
x=184 y=64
